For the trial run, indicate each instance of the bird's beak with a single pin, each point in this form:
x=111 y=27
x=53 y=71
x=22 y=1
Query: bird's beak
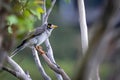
x=54 y=26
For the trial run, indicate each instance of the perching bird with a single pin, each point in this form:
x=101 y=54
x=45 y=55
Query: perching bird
x=35 y=38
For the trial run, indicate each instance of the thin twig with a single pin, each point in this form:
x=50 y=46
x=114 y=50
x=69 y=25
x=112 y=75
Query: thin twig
x=44 y=8
x=49 y=11
x=52 y=65
x=39 y=65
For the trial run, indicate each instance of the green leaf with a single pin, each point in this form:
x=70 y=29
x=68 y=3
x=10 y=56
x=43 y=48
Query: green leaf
x=48 y=3
x=38 y=2
x=25 y=24
x=38 y=15
x=33 y=12
x=10 y=30
x=40 y=10
x=12 y=19
x=26 y=13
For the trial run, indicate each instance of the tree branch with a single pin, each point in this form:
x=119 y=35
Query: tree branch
x=18 y=70
x=47 y=43
x=83 y=26
x=51 y=57
x=44 y=8
x=52 y=65
x=2 y=57
x=99 y=45
x=10 y=71
x=39 y=65
x=48 y=11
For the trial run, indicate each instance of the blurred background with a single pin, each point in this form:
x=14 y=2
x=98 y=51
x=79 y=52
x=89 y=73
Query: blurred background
x=66 y=41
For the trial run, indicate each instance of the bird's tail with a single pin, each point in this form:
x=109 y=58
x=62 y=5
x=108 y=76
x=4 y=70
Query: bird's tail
x=16 y=51
x=19 y=48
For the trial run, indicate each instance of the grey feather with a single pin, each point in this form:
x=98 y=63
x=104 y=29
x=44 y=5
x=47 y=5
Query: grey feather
x=38 y=31
x=16 y=51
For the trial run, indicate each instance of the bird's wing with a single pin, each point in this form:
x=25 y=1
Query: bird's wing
x=35 y=32
x=38 y=31
x=32 y=34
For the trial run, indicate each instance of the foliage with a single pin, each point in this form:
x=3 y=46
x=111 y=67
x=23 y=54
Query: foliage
x=23 y=15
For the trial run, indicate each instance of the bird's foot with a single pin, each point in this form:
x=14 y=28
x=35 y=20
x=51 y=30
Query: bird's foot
x=40 y=50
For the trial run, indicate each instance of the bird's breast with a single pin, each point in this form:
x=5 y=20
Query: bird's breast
x=42 y=38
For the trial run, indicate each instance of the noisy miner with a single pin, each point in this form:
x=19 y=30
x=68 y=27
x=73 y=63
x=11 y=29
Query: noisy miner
x=35 y=38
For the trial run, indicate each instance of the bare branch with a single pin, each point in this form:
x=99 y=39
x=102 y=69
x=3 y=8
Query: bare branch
x=18 y=70
x=44 y=8
x=52 y=65
x=47 y=43
x=39 y=65
x=51 y=57
x=49 y=50
x=2 y=57
x=49 y=11
x=99 y=45
x=10 y=71
x=83 y=26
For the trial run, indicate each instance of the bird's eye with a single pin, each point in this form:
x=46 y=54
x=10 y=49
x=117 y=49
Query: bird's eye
x=49 y=26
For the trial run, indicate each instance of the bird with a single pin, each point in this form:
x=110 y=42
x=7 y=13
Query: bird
x=35 y=38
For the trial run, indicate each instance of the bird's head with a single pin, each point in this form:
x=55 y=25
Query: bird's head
x=51 y=26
